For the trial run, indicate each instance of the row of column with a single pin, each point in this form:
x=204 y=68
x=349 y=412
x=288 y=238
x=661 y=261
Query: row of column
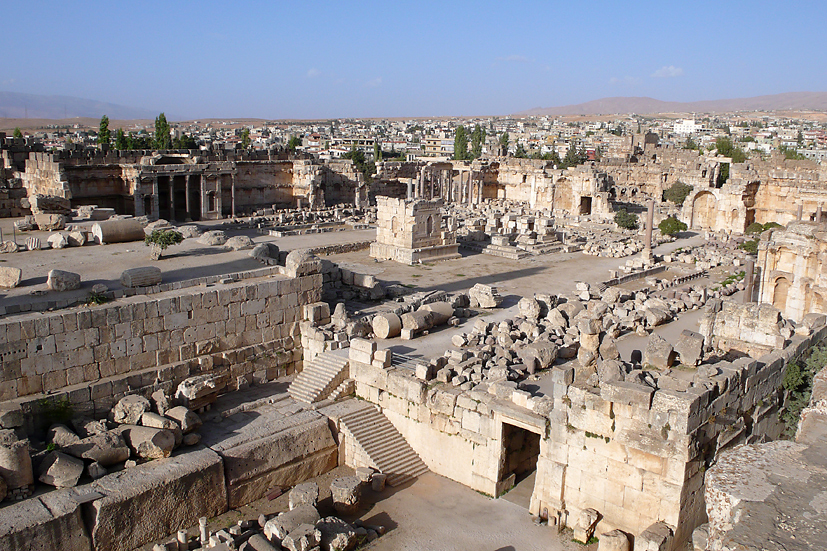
x=140 y=209
x=460 y=192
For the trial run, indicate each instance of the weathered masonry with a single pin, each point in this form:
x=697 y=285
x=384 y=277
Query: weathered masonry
x=635 y=454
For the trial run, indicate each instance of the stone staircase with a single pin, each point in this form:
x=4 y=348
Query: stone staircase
x=320 y=377
x=384 y=448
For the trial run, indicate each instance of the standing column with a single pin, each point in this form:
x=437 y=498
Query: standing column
x=410 y=189
x=137 y=194
x=650 y=219
x=232 y=182
x=749 y=281
x=818 y=214
x=156 y=201
x=172 y=197
x=800 y=212
x=420 y=189
x=479 y=190
x=470 y=190
x=187 y=198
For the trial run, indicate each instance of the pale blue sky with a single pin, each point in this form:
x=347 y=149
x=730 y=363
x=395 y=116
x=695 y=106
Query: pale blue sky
x=280 y=59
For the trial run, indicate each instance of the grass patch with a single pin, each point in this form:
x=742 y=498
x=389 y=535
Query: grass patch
x=459 y=275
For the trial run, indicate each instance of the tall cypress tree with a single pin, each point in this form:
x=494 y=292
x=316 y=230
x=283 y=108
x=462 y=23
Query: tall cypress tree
x=104 y=134
x=162 y=137
x=461 y=144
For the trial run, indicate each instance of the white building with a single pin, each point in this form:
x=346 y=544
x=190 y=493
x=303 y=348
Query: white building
x=687 y=126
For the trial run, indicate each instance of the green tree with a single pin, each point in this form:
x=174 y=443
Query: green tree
x=377 y=151
x=520 y=152
x=121 y=142
x=677 y=192
x=162 y=129
x=626 y=220
x=477 y=139
x=671 y=226
x=294 y=142
x=791 y=154
x=245 y=138
x=573 y=158
x=185 y=141
x=460 y=143
x=17 y=133
x=504 y=140
x=104 y=134
x=799 y=140
x=367 y=168
x=727 y=149
x=690 y=144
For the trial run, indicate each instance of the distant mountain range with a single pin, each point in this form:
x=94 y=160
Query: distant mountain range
x=792 y=101
x=32 y=106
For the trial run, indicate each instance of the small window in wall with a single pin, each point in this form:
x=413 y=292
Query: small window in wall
x=211 y=201
x=429 y=225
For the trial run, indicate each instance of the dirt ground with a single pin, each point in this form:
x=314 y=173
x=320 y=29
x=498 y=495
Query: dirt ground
x=431 y=513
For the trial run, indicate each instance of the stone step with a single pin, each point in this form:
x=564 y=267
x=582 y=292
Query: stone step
x=386 y=449
x=319 y=378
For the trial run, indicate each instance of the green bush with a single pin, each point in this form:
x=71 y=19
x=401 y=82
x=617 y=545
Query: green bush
x=749 y=246
x=671 y=226
x=677 y=193
x=163 y=238
x=626 y=220
x=756 y=227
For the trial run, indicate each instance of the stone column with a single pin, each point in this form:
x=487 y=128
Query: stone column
x=420 y=188
x=232 y=183
x=156 y=201
x=410 y=188
x=749 y=280
x=205 y=203
x=800 y=212
x=650 y=220
x=187 y=198
x=470 y=189
x=818 y=214
x=172 y=197
x=479 y=190
x=138 y=196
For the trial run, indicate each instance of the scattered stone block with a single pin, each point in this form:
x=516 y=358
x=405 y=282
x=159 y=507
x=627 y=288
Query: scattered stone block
x=336 y=534
x=141 y=277
x=304 y=537
x=659 y=353
x=346 y=493
x=129 y=409
x=615 y=540
x=186 y=419
x=690 y=347
x=60 y=280
x=148 y=442
x=60 y=470
x=585 y=525
x=306 y=493
x=10 y=277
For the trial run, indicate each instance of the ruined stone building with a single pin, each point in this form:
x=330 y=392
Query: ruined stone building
x=411 y=231
x=793 y=265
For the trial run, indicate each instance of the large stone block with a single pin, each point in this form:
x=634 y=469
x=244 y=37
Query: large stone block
x=158 y=497
x=46 y=523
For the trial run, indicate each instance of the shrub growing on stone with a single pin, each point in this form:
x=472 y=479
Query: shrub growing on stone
x=749 y=246
x=677 y=193
x=626 y=220
x=671 y=226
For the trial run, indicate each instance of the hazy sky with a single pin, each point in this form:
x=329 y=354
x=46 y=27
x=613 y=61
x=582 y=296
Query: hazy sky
x=278 y=59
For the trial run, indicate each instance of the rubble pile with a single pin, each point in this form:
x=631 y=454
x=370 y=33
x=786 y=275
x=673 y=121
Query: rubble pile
x=139 y=429
x=300 y=528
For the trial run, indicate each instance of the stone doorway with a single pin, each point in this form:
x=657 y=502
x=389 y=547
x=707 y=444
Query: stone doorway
x=518 y=465
x=585 y=205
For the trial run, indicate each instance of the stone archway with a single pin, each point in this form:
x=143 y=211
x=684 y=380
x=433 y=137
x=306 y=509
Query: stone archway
x=703 y=211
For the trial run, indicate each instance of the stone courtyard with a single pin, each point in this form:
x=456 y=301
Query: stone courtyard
x=479 y=356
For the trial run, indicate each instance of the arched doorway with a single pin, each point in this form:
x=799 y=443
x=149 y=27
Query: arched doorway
x=779 y=294
x=703 y=211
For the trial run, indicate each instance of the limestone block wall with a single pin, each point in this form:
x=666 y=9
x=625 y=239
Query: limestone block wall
x=92 y=356
x=636 y=454
x=44 y=175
